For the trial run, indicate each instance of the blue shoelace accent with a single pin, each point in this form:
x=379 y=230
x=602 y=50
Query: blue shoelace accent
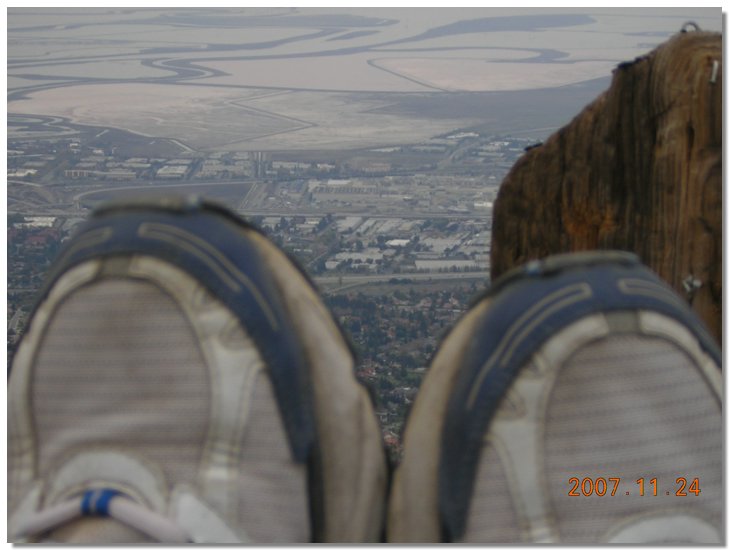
x=96 y=502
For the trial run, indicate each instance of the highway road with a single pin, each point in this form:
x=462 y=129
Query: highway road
x=244 y=206
x=256 y=188
x=356 y=280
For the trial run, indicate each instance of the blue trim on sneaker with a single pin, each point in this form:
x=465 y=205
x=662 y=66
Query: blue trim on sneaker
x=528 y=307
x=86 y=503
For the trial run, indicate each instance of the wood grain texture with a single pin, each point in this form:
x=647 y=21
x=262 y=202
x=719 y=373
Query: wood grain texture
x=639 y=169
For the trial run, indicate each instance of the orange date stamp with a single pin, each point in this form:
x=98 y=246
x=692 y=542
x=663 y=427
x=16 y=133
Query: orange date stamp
x=613 y=486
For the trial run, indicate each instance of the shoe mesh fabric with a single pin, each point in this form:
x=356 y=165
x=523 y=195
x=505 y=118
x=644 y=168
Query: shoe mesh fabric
x=119 y=367
x=273 y=504
x=631 y=407
x=492 y=517
x=627 y=406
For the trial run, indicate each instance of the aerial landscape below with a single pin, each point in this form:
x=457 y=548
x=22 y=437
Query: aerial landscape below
x=369 y=143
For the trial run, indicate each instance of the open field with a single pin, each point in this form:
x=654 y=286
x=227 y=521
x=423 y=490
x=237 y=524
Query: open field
x=243 y=79
x=225 y=119
x=477 y=75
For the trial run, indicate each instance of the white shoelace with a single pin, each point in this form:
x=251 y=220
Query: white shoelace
x=104 y=503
